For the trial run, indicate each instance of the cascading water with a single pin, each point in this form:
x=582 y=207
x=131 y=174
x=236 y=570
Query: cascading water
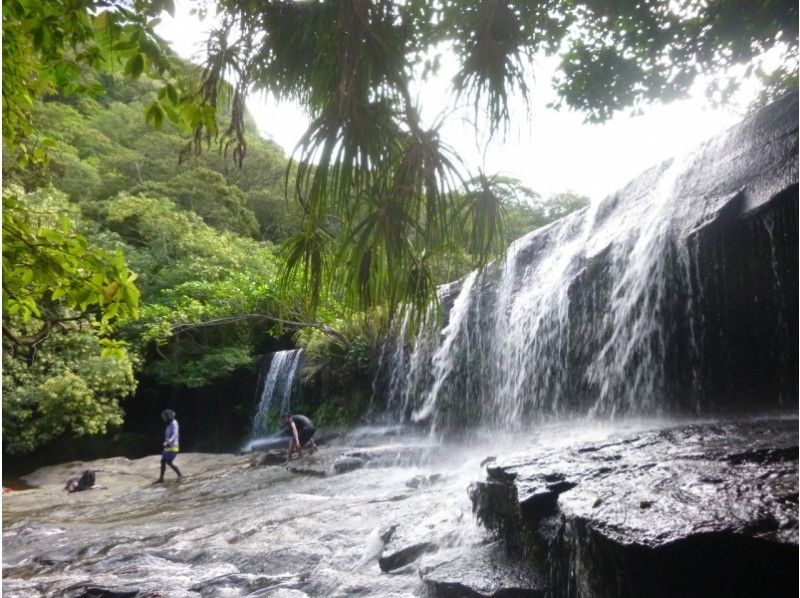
x=629 y=367
x=635 y=305
x=276 y=389
x=443 y=358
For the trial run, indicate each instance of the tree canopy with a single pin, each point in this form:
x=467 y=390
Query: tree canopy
x=379 y=188
x=205 y=295
x=116 y=258
x=387 y=178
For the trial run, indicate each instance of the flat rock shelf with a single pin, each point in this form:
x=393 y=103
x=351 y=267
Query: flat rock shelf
x=575 y=509
x=706 y=509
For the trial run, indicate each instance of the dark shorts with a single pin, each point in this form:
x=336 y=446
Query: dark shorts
x=305 y=435
x=168 y=456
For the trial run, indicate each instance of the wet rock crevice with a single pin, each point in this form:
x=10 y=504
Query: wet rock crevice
x=696 y=510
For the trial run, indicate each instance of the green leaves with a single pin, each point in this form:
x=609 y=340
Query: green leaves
x=493 y=49
x=155 y=115
x=483 y=214
x=46 y=264
x=135 y=65
x=73 y=386
x=46 y=43
x=377 y=186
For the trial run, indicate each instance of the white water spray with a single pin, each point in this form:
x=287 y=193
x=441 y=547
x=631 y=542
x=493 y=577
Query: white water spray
x=276 y=391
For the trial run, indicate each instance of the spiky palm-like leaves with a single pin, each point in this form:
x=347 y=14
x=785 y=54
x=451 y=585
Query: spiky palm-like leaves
x=374 y=178
x=482 y=214
x=377 y=186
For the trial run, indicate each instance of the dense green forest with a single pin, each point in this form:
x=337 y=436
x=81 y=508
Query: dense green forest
x=198 y=235
x=203 y=236
x=150 y=233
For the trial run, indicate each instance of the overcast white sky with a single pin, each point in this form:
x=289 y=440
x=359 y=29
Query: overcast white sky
x=553 y=152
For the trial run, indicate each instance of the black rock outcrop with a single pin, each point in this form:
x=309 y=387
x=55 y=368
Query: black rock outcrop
x=676 y=295
x=696 y=510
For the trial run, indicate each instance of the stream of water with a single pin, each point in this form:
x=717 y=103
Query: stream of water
x=232 y=528
x=275 y=389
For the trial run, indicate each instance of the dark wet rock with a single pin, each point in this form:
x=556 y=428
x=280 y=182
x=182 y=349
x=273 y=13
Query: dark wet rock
x=404 y=544
x=488 y=460
x=412 y=569
x=278 y=457
x=416 y=481
x=277 y=561
x=405 y=556
x=251 y=585
x=496 y=505
x=705 y=509
x=382 y=456
x=485 y=572
x=278 y=593
x=386 y=533
x=420 y=481
x=273 y=457
x=312 y=472
x=232 y=581
x=326 y=437
x=345 y=464
x=277 y=444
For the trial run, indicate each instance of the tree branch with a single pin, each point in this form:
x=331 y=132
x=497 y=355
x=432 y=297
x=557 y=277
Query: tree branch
x=44 y=331
x=28 y=341
x=184 y=326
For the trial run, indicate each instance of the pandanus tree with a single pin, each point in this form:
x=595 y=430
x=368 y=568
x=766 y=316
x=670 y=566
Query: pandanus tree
x=383 y=196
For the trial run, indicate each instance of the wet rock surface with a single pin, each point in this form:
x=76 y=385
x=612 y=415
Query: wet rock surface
x=581 y=513
x=405 y=556
x=702 y=509
x=235 y=527
x=408 y=538
x=486 y=572
x=382 y=456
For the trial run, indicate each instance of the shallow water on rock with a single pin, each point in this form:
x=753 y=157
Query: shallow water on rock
x=239 y=527
x=236 y=527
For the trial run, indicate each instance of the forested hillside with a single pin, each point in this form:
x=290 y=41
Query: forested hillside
x=205 y=242
x=199 y=235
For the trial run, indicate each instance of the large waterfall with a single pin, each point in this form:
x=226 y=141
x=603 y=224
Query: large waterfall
x=676 y=295
x=275 y=389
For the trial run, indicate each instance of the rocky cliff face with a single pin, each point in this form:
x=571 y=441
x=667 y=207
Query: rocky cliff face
x=676 y=295
x=697 y=510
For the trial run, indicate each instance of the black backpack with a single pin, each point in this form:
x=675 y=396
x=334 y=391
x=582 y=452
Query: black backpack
x=82 y=482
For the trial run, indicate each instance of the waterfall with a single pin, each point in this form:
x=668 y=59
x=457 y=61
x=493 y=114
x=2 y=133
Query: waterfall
x=275 y=390
x=444 y=357
x=629 y=367
x=644 y=303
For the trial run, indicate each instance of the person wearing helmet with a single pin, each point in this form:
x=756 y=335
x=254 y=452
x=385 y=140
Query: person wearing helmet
x=300 y=430
x=170 y=449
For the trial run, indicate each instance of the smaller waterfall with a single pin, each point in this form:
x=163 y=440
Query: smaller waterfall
x=276 y=389
x=444 y=357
